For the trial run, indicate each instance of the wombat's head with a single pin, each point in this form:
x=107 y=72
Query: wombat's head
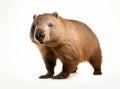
x=45 y=28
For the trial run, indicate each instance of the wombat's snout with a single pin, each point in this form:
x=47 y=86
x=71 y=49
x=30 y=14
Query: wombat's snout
x=40 y=36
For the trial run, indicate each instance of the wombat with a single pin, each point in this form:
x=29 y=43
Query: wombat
x=70 y=41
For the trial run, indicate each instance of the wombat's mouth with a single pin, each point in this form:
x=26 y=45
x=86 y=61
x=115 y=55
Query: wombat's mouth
x=43 y=42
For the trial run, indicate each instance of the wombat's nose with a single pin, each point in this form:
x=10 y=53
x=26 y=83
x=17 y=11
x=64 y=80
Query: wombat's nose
x=40 y=36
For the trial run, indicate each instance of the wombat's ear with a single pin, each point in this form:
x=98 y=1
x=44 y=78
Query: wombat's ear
x=34 y=16
x=55 y=14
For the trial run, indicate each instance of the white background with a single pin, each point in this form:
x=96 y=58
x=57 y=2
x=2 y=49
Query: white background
x=20 y=61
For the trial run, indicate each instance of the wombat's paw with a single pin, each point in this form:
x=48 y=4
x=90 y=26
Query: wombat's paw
x=97 y=73
x=46 y=76
x=75 y=70
x=61 y=76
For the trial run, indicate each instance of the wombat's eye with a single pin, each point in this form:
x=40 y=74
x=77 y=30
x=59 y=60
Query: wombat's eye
x=50 y=25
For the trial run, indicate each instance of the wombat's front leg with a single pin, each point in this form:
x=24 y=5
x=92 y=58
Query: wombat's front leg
x=50 y=62
x=67 y=69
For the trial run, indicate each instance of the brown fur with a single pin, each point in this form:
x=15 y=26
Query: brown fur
x=69 y=40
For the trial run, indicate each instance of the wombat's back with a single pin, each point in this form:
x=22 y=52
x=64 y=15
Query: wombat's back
x=86 y=40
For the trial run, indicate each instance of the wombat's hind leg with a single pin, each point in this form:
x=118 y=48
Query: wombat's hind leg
x=97 y=67
x=95 y=61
